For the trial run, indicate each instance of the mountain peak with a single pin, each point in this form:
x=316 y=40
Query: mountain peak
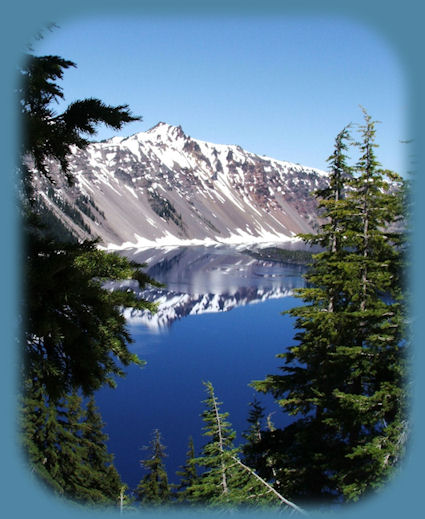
x=164 y=131
x=161 y=187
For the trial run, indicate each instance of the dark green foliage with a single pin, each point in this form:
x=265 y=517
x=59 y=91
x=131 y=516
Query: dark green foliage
x=75 y=334
x=254 y=435
x=72 y=212
x=188 y=476
x=207 y=222
x=154 y=489
x=255 y=419
x=41 y=452
x=216 y=482
x=225 y=480
x=48 y=135
x=104 y=479
x=345 y=376
x=66 y=447
x=298 y=257
x=74 y=331
x=82 y=203
x=165 y=209
x=86 y=204
x=53 y=226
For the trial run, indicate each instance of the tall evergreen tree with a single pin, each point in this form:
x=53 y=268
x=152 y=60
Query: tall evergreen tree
x=310 y=371
x=71 y=325
x=345 y=375
x=255 y=419
x=66 y=447
x=71 y=451
x=102 y=475
x=74 y=335
x=253 y=436
x=188 y=475
x=216 y=483
x=40 y=447
x=226 y=480
x=154 y=488
x=375 y=400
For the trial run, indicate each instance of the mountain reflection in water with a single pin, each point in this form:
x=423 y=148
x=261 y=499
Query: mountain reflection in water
x=207 y=279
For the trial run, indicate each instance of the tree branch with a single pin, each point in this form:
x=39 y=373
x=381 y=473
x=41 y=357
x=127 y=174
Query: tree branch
x=271 y=489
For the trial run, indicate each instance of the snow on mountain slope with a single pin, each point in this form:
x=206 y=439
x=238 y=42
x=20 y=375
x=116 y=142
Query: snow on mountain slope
x=161 y=187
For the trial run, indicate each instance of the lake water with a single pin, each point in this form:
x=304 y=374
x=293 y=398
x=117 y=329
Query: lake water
x=220 y=320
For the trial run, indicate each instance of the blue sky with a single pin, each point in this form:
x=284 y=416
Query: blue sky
x=281 y=86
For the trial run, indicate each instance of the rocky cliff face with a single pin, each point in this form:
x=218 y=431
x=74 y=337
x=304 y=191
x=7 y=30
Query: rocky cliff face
x=161 y=187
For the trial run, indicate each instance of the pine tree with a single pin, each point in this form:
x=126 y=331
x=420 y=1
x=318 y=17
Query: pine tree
x=75 y=467
x=254 y=435
x=226 y=480
x=66 y=448
x=71 y=325
x=102 y=477
x=54 y=451
x=38 y=432
x=124 y=499
x=48 y=135
x=345 y=375
x=154 y=489
x=257 y=437
x=74 y=334
x=88 y=470
x=188 y=476
x=217 y=454
x=310 y=371
x=255 y=419
x=375 y=400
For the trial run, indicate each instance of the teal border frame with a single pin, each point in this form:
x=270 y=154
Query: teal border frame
x=401 y=24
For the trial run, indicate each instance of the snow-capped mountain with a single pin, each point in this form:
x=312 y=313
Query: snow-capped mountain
x=163 y=187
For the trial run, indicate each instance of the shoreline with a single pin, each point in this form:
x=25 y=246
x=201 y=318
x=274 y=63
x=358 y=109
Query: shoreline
x=172 y=242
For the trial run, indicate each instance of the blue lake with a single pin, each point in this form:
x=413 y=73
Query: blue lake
x=219 y=320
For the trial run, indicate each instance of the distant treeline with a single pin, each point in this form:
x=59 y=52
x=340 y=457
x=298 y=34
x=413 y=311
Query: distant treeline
x=298 y=257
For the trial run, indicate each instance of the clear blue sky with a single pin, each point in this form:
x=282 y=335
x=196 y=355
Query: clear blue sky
x=281 y=87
